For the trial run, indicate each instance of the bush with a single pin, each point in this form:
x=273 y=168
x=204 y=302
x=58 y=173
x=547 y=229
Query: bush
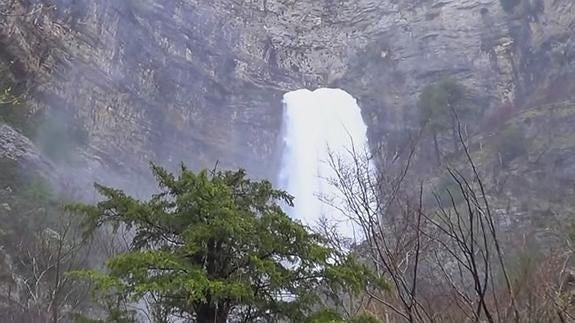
x=436 y=102
x=509 y=5
x=511 y=144
x=447 y=189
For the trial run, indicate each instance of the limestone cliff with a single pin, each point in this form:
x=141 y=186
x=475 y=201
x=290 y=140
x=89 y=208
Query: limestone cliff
x=196 y=81
x=19 y=149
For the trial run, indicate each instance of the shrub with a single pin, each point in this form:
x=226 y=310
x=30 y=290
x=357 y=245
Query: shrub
x=509 y=5
x=436 y=102
x=448 y=191
x=511 y=144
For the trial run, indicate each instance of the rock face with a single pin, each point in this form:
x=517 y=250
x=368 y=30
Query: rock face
x=199 y=81
x=16 y=147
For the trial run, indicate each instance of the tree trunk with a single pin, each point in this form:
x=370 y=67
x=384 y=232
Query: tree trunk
x=210 y=313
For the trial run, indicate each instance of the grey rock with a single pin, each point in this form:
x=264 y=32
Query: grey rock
x=200 y=81
x=6 y=207
x=17 y=147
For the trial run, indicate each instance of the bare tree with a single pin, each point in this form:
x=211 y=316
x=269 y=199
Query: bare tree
x=440 y=249
x=389 y=224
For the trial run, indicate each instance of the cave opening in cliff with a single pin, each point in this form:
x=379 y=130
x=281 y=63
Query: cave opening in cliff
x=319 y=126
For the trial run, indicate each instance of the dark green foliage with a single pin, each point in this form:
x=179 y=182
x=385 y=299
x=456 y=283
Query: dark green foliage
x=448 y=192
x=324 y=317
x=438 y=102
x=509 y=5
x=441 y=108
x=115 y=313
x=511 y=144
x=333 y=317
x=213 y=246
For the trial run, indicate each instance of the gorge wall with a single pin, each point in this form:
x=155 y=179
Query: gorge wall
x=200 y=81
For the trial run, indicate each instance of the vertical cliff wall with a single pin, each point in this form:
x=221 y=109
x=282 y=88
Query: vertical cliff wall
x=197 y=81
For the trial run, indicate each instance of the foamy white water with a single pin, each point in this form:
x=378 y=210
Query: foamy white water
x=315 y=124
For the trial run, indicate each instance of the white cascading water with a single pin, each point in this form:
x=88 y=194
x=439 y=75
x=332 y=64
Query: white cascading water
x=316 y=124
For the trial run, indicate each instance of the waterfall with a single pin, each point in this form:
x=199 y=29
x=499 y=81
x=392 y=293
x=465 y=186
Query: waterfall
x=315 y=124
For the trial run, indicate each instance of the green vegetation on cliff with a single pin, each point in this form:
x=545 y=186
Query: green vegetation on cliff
x=13 y=111
x=56 y=134
x=40 y=244
x=438 y=102
x=511 y=144
x=440 y=106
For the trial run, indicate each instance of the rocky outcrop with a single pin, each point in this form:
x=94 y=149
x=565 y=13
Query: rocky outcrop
x=198 y=81
x=19 y=149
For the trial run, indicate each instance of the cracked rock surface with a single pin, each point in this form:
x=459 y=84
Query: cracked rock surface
x=199 y=81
